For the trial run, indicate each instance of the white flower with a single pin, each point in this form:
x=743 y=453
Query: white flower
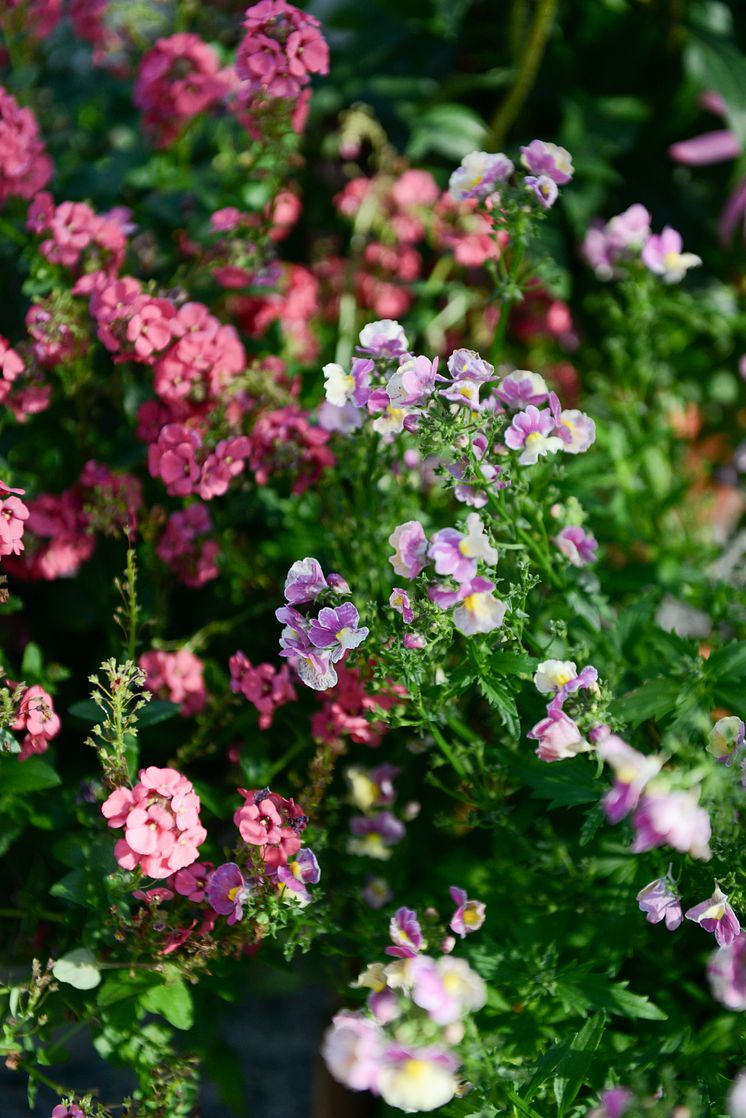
x=551 y=675
x=479 y=613
x=339 y=386
x=475 y=544
x=416 y=1084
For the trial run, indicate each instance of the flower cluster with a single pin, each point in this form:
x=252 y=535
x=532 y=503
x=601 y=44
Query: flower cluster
x=558 y=735
x=178 y=79
x=402 y=1047
x=13 y=517
x=263 y=686
x=377 y=830
x=481 y=175
x=313 y=645
x=25 y=167
x=36 y=719
x=612 y=248
x=176 y=676
x=160 y=816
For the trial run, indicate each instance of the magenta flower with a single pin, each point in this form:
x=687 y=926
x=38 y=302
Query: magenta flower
x=406 y=934
x=632 y=771
x=173 y=458
x=456 y=554
x=543 y=189
x=674 y=818
x=469 y=915
x=414 y=641
x=717 y=916
x=660 y=902
x=71 y=1111
x=727 y=974
x=410 y=549
x=550 y=160
x=259 y=823
x=532 y=432
x=413 y=382
x=336 y=631
x=227 y=891
x=400 y=601
x=305 y=581
x=662 y=255
x=578 y=546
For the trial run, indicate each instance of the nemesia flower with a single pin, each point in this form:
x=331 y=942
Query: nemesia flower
x=545 y=159
x=469 y=915
x=578 y=546
x=558 y=736
x=660 y=902
x=352 y=1049
x=385 y=338
x=543 y=189
x=456 y=554
x=532 y=432
x=478 y=175
x=299 y=872
x=477 y=610
x=736 y=1100
x=371 y=788
x=552 y=675
x=336 y=631
x=414 y=641
x=674 y=818
x=305 y=581
x=522 y=387
x=410 y=549
x=413 y=382
x=375 y=835
x=662 y=255
x=400 y=601
x=727 y=974
x=227 y=891
x=576 y=429
x=446 y=989
x=726 y=738
x=632 y=771
x=466 y=364
x=342 y=388
x=717 y=916
x=377 y=892
x=417 y=1079
x=161 y=820
x=613 y=1103
x=406 y=934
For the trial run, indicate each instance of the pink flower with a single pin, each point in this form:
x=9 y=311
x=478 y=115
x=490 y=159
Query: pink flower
x=399 y=601
x=676 y=819
x=179 y=78
x=550 y=160
x=13 y=517
x=532 y=432
x=173 y=458
x=410 y=549
x=264 y=686
x=161 y=820
x=352 y=1050
x=632 y=771
x=271 y=822
x=727 y=974
x=661 y=902
x=193 y=560
x=578 y=546
x=225 y=463
x=176 y=676
x=36 y=717
x=662 y=255
x=406 y=934
x=558 y=737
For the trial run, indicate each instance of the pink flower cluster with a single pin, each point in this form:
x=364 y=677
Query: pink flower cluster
x=179 y=78
x=13 y=517
x=264 y=686
x=58 y=540
x=25 y=167
x=178 y=677
x=160 y=816
x=186 y=547
x=77 y=236
x=272 y=823
x=281 y=49
x=37 y=720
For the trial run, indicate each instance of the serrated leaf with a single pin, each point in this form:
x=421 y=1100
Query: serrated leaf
x=596 y=992
x=78 y=968
x=728 y=664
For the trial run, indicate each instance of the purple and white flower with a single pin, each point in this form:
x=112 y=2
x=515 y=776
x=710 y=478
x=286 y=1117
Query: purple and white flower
x=304 y=582
x=660 y=901
x=227 y=891
x=532 y=432
x=469 y=915
x=717 y=916
x=543 y=188
x=542 y=158
x=673 y=818
x=336 y=630
x=522 y=387
x=578 y=546
x=410 y=549
x=385 y=338
x=478 y=175
x=632 y=771
x=662 y=255
x=406 y=934
x=400 y=601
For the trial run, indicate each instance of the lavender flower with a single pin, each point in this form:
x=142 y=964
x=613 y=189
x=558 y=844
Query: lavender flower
x=543 y=189
x=550 y=160
x=531 y=431
x=406 y=934
x=479 y=174
x=336 y=631
x=305 y=581
x=717 y=916
x=410 y=549
x=522 y=387
x=469 y=915
x=727 y=974
x=227 y=891
x=385 y=338
x=660 y=902
x=577 y=546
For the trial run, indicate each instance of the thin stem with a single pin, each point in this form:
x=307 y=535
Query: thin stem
x=527 y=71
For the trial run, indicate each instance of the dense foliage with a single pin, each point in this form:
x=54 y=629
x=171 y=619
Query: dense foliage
x=372 y=549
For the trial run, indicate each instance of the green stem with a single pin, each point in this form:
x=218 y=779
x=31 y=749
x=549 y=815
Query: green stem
x=527 y=71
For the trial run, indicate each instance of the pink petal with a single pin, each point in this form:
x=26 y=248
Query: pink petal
x=710 y=147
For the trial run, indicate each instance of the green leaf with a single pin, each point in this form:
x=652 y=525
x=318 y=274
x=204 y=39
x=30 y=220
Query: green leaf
x=173 y=1001
x=20 y=777
x=499 y=697
x=652 y=700
x=157 y=711
x=727 y=663
x=573 y=1068
x=593 y=991
x=125 y=984
x=449 y=129
x=78 y=968
x=86 y=710
x=32 y=662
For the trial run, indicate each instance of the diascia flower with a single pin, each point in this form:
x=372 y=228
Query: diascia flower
x=13 y=517
x=160 y=816
x=272 y=823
